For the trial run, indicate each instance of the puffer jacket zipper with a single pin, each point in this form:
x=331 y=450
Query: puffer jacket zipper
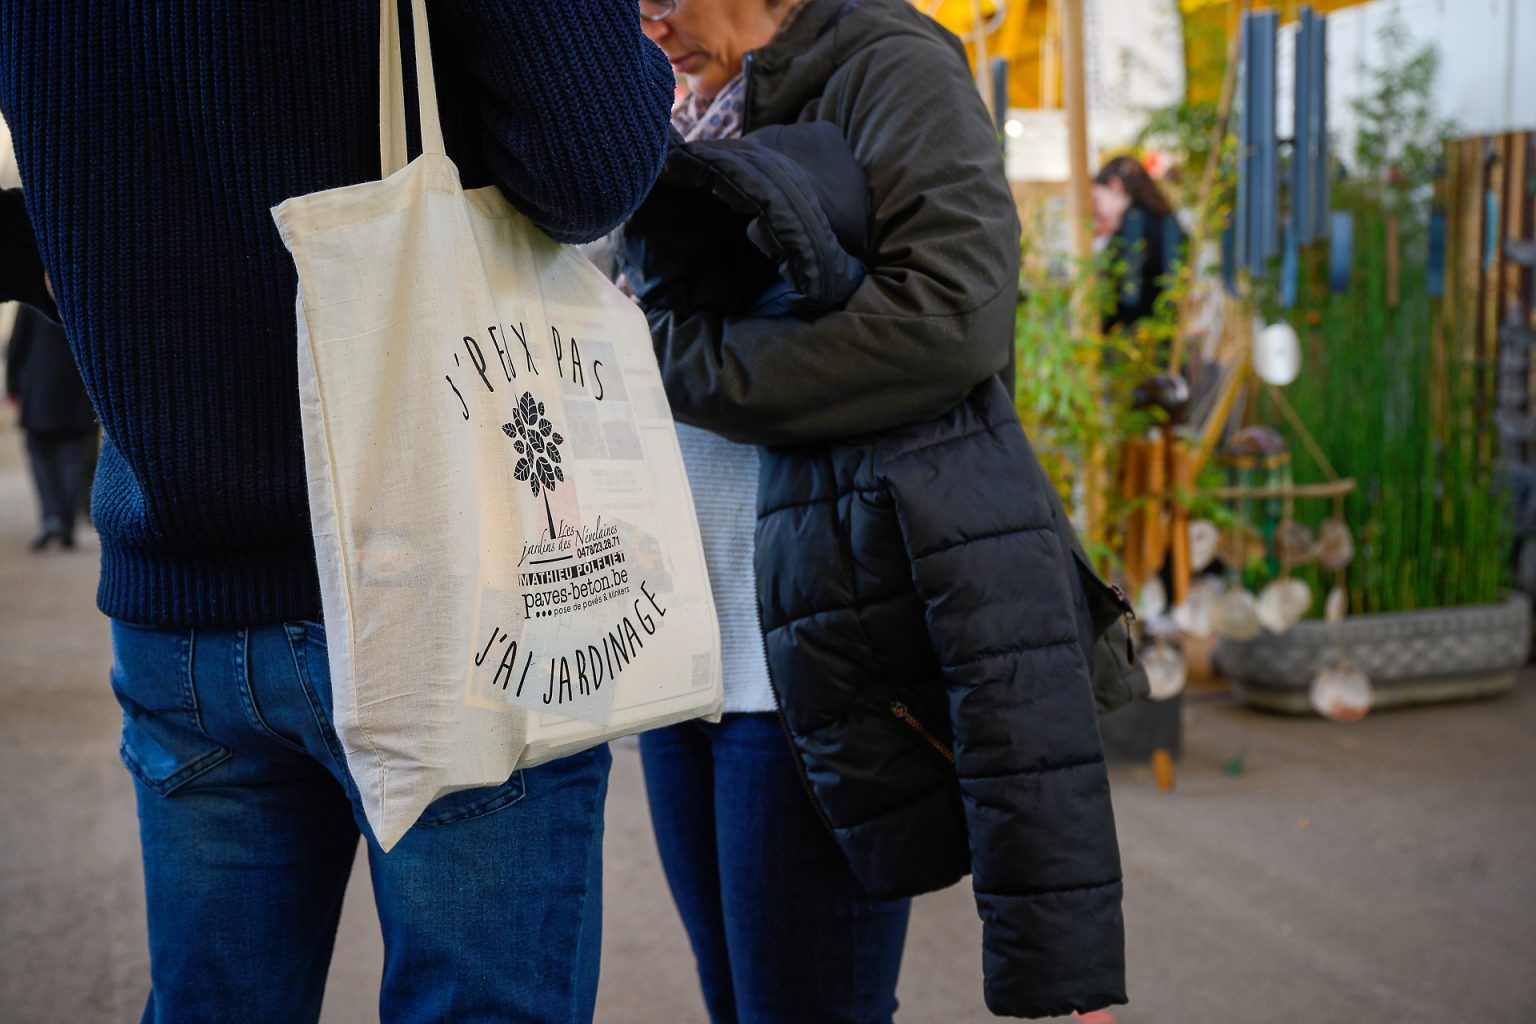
x=902 y=712
x=1128 y=616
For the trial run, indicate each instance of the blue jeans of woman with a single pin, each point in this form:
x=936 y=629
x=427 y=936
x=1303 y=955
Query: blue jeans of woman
x=491 y=906
x=782 y=930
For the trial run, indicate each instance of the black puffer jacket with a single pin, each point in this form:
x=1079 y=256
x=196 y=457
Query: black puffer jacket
x=762 y=226
x=929 y=625
x=927 y=621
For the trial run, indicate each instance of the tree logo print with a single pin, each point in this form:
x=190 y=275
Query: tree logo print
x=538 y=448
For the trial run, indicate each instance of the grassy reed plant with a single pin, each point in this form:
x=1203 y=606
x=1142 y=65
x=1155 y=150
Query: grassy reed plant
x=1430 y=515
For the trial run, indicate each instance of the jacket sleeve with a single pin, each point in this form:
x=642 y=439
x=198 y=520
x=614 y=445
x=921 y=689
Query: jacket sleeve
x=744 y=226
x=16 y=351
x=934 y=316
x=574 y=101
x=992 y=574
x=21 y=268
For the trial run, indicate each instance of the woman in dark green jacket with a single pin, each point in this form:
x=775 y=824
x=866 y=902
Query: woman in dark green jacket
x=782 y=927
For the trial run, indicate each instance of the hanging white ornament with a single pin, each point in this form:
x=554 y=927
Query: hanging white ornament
x=1282 y=604
x=1203 y=540
x=1277 y=354
x=1335 y=545
x=1337 y=605
x=1342 y=693
x=1195 y=617
x=1166 y=672
x=1294 y=544
x=1152 y=600
x=1236 y=616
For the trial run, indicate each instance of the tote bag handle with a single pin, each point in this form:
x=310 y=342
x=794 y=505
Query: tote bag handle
x=392 y=152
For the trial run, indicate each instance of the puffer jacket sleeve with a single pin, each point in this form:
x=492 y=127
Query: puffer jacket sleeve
x=750 y=225
x=992 y=572
x=934 y=316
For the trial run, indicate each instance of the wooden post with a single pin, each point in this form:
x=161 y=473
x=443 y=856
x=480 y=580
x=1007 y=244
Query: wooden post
x=1075 y=80
x=1133 y=483
x=1154 y=538
x=1183 y=482
x=1075 y=90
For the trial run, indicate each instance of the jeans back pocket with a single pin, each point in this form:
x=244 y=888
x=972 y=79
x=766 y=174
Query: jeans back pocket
x=163 y=743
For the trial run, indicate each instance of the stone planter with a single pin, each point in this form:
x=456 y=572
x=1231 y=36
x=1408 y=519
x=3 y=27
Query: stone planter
x=1443 y=654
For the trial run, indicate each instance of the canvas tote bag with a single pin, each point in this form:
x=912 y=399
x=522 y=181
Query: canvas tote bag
x=510 y=565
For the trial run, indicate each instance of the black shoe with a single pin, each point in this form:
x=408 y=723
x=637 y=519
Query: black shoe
x=67 y=540
x=42 y=540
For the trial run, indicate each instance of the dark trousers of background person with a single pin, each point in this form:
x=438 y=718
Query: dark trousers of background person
x=62 y=465
x=782 y=930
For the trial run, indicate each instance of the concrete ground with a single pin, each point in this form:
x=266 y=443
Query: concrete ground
x=1372 y=872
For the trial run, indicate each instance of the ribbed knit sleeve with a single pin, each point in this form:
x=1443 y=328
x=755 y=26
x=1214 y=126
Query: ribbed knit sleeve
x=570 y=93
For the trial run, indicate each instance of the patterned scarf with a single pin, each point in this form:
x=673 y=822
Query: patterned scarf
x=720 y=118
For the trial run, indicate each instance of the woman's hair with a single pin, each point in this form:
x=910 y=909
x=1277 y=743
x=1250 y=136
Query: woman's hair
x=1138 y=184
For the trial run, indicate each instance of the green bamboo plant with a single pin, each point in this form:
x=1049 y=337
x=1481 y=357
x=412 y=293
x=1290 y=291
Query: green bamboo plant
x=1429 y=515
x=1075 y=382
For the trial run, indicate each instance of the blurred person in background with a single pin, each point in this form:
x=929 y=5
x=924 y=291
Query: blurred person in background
x=832 y=254
x=1134 y=220
x=41 y=380
x=153 y=140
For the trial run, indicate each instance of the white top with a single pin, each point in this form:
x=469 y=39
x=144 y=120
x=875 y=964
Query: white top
x=723 y=477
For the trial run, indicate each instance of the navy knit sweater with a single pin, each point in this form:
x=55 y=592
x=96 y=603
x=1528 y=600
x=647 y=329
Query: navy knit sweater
x=154 y=136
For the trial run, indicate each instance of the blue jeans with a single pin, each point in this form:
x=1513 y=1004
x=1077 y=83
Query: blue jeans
x=491 y=907
x=782 y=931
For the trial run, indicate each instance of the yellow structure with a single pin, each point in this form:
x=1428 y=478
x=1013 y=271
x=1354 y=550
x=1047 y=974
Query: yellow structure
x=1206 y=24
x=1028 y=33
